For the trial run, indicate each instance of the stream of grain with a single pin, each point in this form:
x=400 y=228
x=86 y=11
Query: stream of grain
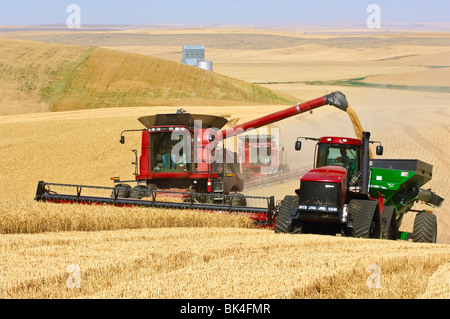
x=357 y=127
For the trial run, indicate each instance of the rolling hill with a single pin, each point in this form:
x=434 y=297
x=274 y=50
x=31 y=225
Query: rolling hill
x=53 y=77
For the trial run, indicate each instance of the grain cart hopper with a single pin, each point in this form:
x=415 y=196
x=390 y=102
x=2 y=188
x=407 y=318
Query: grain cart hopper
x=399 y=182
x=179 y=151
x=349 y=193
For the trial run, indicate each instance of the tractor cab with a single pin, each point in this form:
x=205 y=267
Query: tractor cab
x=350 y=153
x=337 y=151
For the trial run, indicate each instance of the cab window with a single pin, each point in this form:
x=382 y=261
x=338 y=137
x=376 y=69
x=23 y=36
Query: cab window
x=347 y=156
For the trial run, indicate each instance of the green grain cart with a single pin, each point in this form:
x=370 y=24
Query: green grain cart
x=399 y=182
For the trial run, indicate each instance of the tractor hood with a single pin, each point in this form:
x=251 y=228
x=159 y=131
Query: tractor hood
x=327 y=174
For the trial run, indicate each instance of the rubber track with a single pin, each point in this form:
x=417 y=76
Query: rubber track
x=283 y=215
x=361 y=213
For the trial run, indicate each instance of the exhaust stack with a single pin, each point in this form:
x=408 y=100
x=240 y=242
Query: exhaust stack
x=365 y=163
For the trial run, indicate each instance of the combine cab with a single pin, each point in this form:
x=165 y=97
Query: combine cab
x=261 y=157
x=349 y=193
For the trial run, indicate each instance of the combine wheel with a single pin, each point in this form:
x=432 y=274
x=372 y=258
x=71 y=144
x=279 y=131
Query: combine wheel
x=283 y=216
x=123 y=191
x=425 y=228
x=238 y=199
x=138 y=192
x=389 y=223
x=365 y=218
x=247 y=174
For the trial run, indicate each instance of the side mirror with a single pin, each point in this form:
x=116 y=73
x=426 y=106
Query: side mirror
x=122 y=139
x=379 y=150
x=298 y=145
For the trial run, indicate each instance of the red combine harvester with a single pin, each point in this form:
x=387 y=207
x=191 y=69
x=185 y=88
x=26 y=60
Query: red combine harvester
x=264 y=161
x=261 y=156
x=181 y=151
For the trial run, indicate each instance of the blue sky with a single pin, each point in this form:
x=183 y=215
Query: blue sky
x=225 y=12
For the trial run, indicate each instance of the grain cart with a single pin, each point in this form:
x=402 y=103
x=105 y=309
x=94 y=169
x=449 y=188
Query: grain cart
x=180 y=156
x=347 y=192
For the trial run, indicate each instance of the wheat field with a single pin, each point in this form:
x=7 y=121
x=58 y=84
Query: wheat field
x=26 y=70
x=154 y=253
x=217 y=263
x=50 y=250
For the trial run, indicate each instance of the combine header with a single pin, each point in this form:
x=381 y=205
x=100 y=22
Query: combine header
x=262 y=209
x=180 y=157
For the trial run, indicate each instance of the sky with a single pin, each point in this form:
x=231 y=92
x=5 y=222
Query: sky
x=225 y=12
